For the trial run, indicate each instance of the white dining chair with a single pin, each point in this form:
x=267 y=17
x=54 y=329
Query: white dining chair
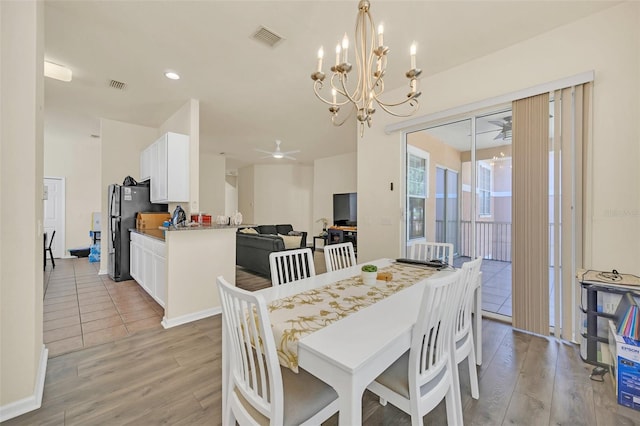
x=463 y=337
x=339 y=256
x=291 y=265
x=432 y=251
x=258 y=390
x=427 y=373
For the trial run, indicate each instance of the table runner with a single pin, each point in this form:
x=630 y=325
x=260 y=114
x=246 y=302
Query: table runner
x=296 y=316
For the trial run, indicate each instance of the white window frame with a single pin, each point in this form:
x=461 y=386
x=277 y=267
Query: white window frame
x=484 y=189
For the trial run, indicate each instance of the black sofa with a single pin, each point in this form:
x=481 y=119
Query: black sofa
x=252 y=250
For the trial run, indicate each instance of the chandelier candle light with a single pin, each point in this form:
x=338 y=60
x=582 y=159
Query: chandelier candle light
x=371 y=62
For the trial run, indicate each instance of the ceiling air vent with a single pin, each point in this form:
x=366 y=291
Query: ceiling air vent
x=267 y=37
x=118 y=85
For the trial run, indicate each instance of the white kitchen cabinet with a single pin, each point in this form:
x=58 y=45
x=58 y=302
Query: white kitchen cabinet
x=159 y=267
x=145 y=164
x=148 y=260
x=169 y=168
x=148 y=278
x=136 y=256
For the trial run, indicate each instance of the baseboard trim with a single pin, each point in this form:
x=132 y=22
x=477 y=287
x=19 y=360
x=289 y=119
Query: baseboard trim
x=168 y=323
x=30 y=403
x=102 y=272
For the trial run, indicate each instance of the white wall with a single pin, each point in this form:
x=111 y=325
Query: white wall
x=122 y=144
x=281 y=194
x=231 y=195
x=22 y=354
x=245 y=194
x=607 y=42
x=332 y=175
x=77 y=159
x=212 y=184
x=296 y=194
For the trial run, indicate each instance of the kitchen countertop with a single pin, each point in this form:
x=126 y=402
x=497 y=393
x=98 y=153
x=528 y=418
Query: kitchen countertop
x=159 y=234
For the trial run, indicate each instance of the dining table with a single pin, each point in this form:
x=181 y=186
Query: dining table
x=350 y=342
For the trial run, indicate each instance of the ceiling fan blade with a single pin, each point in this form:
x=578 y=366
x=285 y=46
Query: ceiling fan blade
x=486 y=131
x=289 y=152
x=502 y=135
x=497 y=123
x=263 y=151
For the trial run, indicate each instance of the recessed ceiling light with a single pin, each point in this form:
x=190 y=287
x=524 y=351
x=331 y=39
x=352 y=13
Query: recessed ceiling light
x=172 y=75
x=57 y=72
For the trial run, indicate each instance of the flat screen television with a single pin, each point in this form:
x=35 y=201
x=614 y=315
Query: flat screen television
x=345 y=209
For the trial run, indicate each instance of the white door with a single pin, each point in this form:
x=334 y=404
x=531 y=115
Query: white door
x=54 y=206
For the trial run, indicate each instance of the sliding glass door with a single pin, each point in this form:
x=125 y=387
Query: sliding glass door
x=447 y=208
x=438 y=152
x=467 y=201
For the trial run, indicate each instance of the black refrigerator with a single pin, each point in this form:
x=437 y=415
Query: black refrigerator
x=124 y=202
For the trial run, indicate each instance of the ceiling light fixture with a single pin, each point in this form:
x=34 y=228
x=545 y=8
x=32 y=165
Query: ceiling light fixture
x=172 y=75
x=57 y=72
x=371 y=62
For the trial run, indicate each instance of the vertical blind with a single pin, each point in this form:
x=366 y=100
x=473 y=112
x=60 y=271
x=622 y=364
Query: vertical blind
x=548 y=221
x=530 y=208
x=573 y=107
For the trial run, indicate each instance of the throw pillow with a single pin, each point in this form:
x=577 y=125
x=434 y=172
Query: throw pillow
x=295 y=233
x=291 y=241
x=248 y=231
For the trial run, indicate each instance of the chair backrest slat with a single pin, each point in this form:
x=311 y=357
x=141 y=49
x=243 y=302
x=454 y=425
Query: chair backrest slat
x=253 y=360
x=291 y=265
x=431 y=340
x=432 y=251
x=470 y=280
x=339 y=256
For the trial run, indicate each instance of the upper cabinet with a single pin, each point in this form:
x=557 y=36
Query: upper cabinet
x=166 y=162
x=145 y=164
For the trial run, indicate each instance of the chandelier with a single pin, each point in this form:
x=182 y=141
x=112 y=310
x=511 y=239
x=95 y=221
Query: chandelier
x=371 y=62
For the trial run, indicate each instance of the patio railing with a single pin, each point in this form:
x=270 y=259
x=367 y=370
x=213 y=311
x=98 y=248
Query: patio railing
x=493 y=239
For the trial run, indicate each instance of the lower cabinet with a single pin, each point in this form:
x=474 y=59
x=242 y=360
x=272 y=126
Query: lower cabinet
x=148 y=262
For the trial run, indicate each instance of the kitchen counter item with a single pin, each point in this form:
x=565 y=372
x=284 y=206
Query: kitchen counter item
x=151 y=220
x=179 y=217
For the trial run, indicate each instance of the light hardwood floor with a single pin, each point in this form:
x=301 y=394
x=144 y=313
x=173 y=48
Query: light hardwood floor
x=173 y=377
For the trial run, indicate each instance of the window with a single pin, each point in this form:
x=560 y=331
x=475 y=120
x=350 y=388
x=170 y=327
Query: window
x=484 y=189
x=417 y=176
x=417 y=191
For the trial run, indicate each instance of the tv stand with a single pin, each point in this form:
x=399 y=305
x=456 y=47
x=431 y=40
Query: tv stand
x=344 y=234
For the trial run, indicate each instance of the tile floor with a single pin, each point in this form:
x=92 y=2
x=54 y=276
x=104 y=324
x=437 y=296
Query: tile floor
x=496 y=285
x=82 y=308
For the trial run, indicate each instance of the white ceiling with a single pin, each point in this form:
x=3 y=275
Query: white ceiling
x=251 y=94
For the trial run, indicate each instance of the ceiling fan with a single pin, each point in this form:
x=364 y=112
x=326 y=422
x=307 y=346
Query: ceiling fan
x=505 y=128
x=278 y=153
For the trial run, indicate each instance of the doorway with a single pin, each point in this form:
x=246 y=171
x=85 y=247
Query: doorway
x=54 y=213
